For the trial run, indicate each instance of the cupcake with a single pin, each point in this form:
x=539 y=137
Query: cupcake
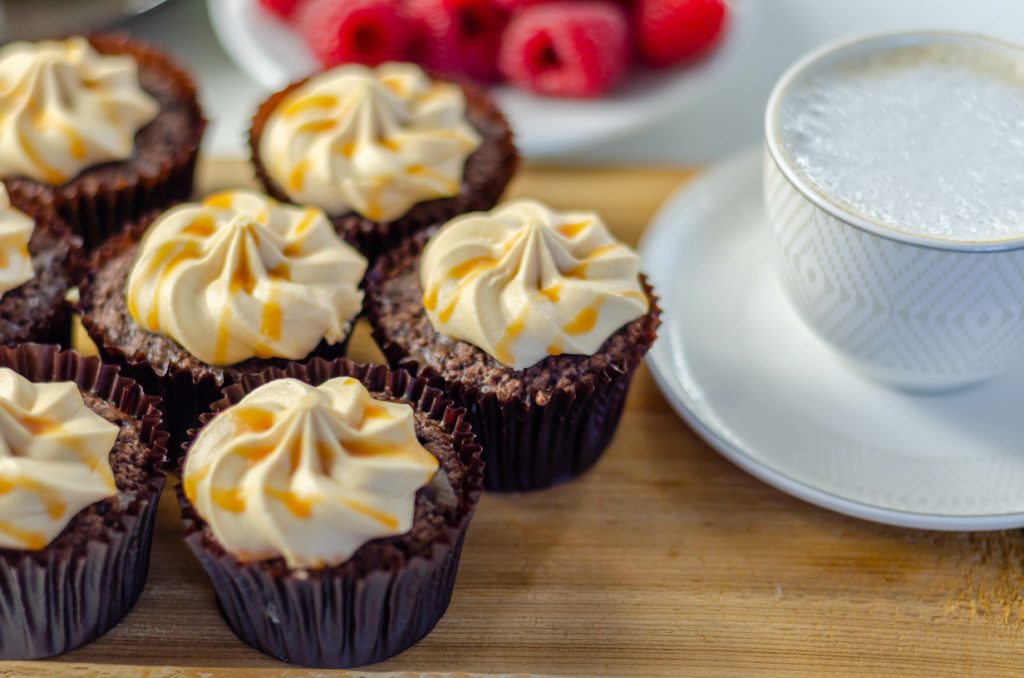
x=102 y=130
x=328 y=503
x=385 y=151
x=80 y=455
x=39 y=262
x=533 y=320
x=216 y=289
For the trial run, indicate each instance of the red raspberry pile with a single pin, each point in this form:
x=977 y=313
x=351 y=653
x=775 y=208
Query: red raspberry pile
x=575 y=48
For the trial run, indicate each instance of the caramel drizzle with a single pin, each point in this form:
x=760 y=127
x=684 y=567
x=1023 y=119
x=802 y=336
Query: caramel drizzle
x=297 y=176
x=347 y=149
x=202 y=226
x=270 y=317
x=222 y=200
x=220 y=349
x=32 y=541
x=385 y=519
x=502 y=350
x=307 y=220
x=317 y=126
x=228 y=498
x=394 y=84
x=585 y=320
x=571 y=230
x=465 y=273
x=448 y=185
x=552 y=293
x=250 y=419
x=50 y=174
x=167 y=257
x=54 y=505
x=309 y=103
x=17 y=242
x=580 y=269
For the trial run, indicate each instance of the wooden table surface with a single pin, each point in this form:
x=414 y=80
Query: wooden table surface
x=665 y=559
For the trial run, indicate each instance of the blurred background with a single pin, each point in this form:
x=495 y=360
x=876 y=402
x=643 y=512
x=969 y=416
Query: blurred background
x=719 y=115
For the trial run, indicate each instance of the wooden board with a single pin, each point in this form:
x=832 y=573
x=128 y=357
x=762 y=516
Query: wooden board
x=663 y=560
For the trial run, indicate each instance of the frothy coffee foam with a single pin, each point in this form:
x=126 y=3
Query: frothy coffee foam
x=926 y=139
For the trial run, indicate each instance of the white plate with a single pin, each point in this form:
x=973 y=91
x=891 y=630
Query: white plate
x=272 y=54
x=739 y=365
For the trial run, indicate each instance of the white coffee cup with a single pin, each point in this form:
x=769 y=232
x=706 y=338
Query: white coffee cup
x=915 y=311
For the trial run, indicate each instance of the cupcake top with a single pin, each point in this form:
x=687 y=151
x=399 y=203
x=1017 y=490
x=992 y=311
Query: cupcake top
x=308 y=474
x=226 y=276
x=15 y=232
x=65 y=107
x=523 y=282
x=54 y=459
x=373 y=141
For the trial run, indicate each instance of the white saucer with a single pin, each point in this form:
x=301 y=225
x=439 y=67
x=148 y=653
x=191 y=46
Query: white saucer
x=744 y=371
x=274 y=55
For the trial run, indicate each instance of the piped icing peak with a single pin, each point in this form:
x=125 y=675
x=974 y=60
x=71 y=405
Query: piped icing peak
x=65 y=107
x=373 y=141
x=240 y=275
x=308 y=474
x=523 y=282
x=15 y=232
x=54 y=459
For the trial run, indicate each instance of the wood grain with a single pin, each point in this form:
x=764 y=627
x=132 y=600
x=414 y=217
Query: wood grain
x=664 y=560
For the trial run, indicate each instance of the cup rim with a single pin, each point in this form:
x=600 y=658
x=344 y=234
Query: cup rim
x=806 y=188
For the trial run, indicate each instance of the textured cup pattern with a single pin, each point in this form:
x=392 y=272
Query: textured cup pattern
x=916 y=317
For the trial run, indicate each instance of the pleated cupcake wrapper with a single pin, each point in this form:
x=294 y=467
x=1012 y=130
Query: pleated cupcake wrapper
x=526 y=445
x=487 y=172
x=59 y=598
x=185 y=393
x=97 y=209
x=340 y=617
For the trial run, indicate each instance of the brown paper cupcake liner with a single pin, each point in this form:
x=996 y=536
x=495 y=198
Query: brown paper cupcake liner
x=62 y=597
x=342 y=617
x=185 y=393
x=528 y=445
x=485 y=176
x=98 y=207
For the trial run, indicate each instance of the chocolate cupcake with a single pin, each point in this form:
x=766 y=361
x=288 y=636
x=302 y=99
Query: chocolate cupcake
x=101 y=130
x=39 y=263
x=231 y=285
x=328 y=503
x=80 y=454
x=385 y=152
x=533 y=320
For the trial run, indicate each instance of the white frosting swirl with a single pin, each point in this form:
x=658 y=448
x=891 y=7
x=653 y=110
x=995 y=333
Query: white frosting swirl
x=307 y=473
x=54 y=459
x=376 y=141
x=241 y=275
x=65 y=107
x=523 y=282
x=15 y=232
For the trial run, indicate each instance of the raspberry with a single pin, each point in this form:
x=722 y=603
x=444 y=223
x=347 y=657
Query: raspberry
x=575 y=48
x=458 y=37
x=668 y=32
x=280 y=8
x=362 y=31
x=512 y=5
